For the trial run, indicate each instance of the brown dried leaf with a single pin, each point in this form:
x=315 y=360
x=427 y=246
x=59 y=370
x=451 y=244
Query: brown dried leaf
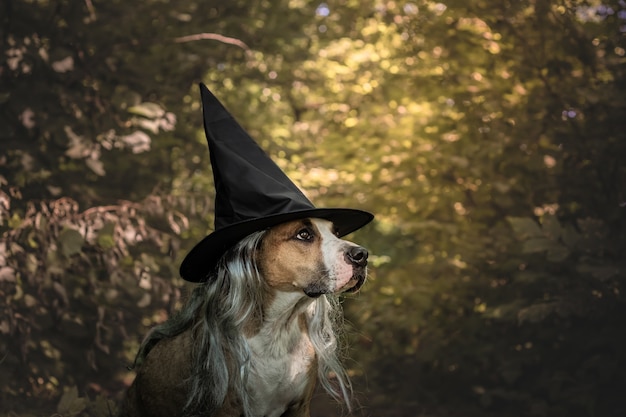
x=7 y=274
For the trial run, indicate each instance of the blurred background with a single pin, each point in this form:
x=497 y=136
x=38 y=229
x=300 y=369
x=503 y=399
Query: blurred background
x=487 y=136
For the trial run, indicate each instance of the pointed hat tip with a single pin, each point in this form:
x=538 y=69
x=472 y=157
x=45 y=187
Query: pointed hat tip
x=212 y=109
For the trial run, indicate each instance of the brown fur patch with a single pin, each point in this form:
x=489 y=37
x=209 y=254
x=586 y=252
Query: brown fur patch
x=288 y=263
x=158 y=388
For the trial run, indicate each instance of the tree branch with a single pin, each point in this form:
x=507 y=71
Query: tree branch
x=213 y=37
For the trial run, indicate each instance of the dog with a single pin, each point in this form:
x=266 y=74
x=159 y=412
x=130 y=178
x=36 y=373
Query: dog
x=256 y=337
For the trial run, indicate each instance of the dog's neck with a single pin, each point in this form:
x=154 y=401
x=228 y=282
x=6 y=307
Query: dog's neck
x=283 y=322
x=283 y=362
x=284 y=306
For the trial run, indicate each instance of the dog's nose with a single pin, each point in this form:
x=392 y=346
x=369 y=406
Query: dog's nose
x=357 y=255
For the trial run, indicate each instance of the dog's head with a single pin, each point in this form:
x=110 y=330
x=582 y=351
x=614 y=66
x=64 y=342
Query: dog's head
x=306 y=255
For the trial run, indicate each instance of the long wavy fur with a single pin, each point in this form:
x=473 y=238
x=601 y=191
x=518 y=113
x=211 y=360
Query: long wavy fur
x=218 y=310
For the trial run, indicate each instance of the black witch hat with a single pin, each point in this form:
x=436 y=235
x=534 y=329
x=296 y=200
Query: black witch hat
x=251 y=193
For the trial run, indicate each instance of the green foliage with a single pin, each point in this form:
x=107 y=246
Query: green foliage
x=487 y=137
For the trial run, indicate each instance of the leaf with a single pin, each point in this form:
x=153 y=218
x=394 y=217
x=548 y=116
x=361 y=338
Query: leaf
x=599 y=272
x=123 y=97
x=151 y=125
x=19 y=292
x=71 y=404
x=61 y=291
x=137 y=141
x=71 y=242
x=105 y=236
x=64 y=65
x=570 y=236
x=79 y=147
x=147 y=110
x=7 y=274
x=537 y=312
x=32 y=263
x=459 y=161
x=96 y=166
x=592 y=227
x=537 y=245
x=102 y=407
x=30 y=301
x=551 y=227
x=145 y=301
x=528 y=277
x=524 y=227
x=504 y=311
x=557 y=253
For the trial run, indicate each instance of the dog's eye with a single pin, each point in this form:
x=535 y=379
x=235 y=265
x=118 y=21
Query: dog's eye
x=304 y=234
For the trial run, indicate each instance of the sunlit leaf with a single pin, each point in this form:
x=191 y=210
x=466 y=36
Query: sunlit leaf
x=7 y=274
x=137 y=141
x=147 y=110
x=96 y=165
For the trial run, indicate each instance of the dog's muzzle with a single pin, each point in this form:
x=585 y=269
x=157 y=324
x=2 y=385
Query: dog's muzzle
x=357 y=257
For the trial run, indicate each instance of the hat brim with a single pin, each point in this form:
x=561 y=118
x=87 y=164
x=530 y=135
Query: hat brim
x=203 y=257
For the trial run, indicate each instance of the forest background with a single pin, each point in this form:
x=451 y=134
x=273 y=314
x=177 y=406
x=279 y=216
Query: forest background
x=487 y=136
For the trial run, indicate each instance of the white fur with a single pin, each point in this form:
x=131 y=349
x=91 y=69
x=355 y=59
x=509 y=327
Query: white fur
x=282 y=356
x=333 y=252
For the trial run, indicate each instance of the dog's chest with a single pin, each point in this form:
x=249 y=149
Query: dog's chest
x=280 y=372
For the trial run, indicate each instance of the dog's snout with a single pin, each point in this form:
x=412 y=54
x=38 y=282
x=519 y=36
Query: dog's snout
x=357 y=255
